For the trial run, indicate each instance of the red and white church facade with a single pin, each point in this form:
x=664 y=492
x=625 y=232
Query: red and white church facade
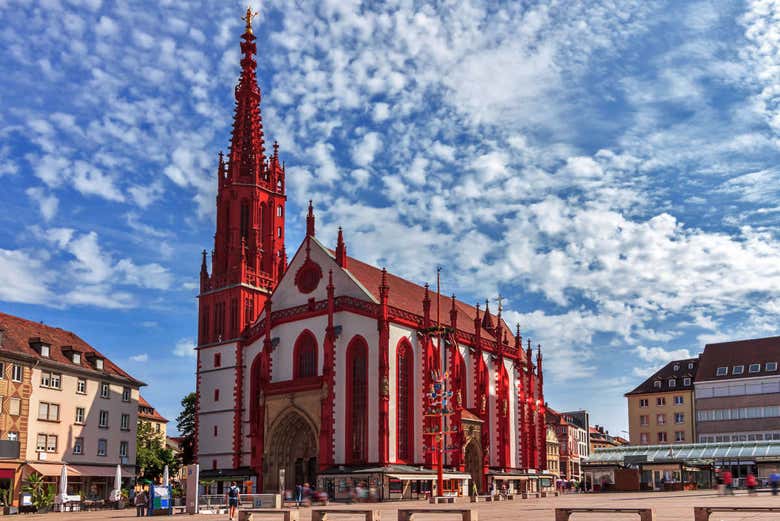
x=321 y=367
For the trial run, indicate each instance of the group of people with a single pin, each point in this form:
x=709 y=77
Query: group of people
x=305 y=495
x=565 y=486
x=724 y=480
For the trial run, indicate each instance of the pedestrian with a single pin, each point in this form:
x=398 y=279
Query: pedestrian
x=751 y=483
x=728 y=481
x=140 y=502
x=233 y=493
x=474 y=490
x=774 y=482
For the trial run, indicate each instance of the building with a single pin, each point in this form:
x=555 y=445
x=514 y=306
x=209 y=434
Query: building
x=553 y=452
x=572 y=440
x=738 y=391
x=582 y=420
x=149 y=415
x=599 y=438
x=15 y=389
x=317 y=369
x=661 y=409
x=65 y=403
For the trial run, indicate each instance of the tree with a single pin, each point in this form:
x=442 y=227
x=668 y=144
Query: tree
x=185 y=423
x=151 y=453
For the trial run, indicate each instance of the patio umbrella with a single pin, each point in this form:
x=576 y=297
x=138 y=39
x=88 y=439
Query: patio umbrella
x=165 y=476
x=117 y=494
x=63 y=484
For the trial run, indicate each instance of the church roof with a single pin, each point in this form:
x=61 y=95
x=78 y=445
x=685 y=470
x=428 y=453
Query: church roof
x=409 y=296
x=16 y=334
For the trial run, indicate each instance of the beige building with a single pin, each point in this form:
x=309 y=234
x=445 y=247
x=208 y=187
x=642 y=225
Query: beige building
x=149 y=415
x=553 y=452
x=661 y=409
x=82 y=409
x=14 y=406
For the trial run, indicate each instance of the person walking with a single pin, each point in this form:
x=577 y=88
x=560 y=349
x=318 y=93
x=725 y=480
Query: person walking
x=774 y=482
x=751 y=483
x=728 y=481
x=233 y=494
x=140 y=502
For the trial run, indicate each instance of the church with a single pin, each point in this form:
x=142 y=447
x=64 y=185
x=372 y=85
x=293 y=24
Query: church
x=329 y=371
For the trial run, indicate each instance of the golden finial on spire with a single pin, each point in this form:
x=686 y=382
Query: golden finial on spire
x=248 y=19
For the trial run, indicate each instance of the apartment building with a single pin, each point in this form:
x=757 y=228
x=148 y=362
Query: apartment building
x=149 y=415
x=572 y=443
x=661 y=409
x=75 y=407
x=737 y=390
x=600 y=438
x=14 y=406
x=553 y=452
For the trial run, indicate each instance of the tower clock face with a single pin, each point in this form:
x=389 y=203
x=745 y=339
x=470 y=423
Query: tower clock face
x=308 y=276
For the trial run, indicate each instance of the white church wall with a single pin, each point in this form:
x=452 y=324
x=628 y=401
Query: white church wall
x=212 y=443
x=288 y=333
x=513 y=433
x=491 y=406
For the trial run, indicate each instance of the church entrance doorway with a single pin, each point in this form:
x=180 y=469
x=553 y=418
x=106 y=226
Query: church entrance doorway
x=292 y=447
x=474 y=465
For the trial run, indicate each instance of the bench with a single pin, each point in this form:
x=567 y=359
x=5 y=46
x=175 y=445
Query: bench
x=249 y=515
x=179 y=509
x=703 y=513
x=526 y=494
x=441 y=499
x=466 y=514
x=477 y=499
x=645 y=514
x=320 y=514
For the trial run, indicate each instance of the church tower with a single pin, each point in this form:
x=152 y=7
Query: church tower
x=248 y=258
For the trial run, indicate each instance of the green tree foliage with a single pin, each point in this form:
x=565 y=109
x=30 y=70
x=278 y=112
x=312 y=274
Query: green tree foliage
x=152 y=454
x=185 y=423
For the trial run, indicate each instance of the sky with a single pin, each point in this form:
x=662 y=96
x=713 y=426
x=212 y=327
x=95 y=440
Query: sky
x=611 y=168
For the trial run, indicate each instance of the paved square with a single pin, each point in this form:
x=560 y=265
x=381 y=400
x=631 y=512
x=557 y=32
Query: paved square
x=669 y=506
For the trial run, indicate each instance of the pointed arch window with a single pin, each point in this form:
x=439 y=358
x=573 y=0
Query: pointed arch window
x=357 y=402
x=404 y=397
x=245 y=219
x=305 y=356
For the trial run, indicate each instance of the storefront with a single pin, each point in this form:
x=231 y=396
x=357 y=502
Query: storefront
x=521 y=482
x=394 y=482
x=91 y=482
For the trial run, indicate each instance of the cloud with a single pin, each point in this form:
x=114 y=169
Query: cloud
x=23 y=278
x=185 y=347
x=47 y=203
x=143 y=357
x=658 y=355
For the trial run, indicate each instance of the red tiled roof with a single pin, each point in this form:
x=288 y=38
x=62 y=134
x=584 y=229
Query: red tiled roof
x=18 y=332
x=154 y=415
x=409 y=296
x=666 y=373
x=739 y=352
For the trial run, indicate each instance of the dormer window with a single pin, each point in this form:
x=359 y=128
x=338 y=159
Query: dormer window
x=45 y=350
x=657 y=384
x=722 y=371
x=737 y=369
x=676 y=367
x=754 y=368
x=686 y=381
x=99 y=364
x=690 y=365
x=96 y=361
x=72 y=354
x=41 y=347
x=672 y=382
x=76 y=357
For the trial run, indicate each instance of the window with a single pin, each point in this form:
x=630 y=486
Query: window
x=660 y=419
x=14 y=406
x=51 y=443
x=279 y=211
x=40 y=444
x=679 y=436
x=216 y=431
x=99 y=364
x=45 y=350
x=644 y=402
x=80 y=415
x=279 y=232
x=17 y=373
x=123 y=449
x=48 y=412
x=46 y=443
x=672 y=382
x=305 y=353
x=102 y=447
x=644 y=420
x=105 y=390
x=660 y=401
x=679 y=400
x=124 y=422
x=657 y=384
x=754 y=368
x=404 y=406
x=2 y=370
x=676 y=367
x=81 y=386
x=686 y=382
x=690 y=365
x=357 y=402
x=103 y=419
x=661 y=437
x=216 y=395
x=125 y=394
x=771 y=366
x=679 y=417
x=12 y=436
x=51 y=380
x=78 y=446
x=644 y=438
x=157 y=427
x=737 y=369
x=217 y=359
x=76 y=358
x=722 y=371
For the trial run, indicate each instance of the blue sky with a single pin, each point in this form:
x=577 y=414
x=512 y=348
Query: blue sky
x=609 y=167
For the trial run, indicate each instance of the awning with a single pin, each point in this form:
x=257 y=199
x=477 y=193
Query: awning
x=99 y=471
x=52 y=469
x=429 y=477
